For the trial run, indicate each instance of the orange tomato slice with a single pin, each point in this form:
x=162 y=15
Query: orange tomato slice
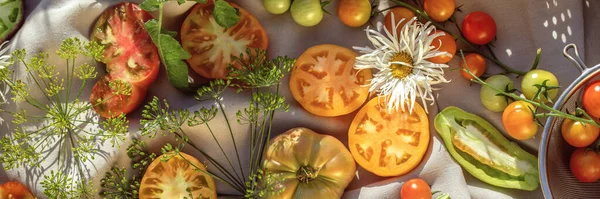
x=388 y=144
x=173 y=178
x=325 y=82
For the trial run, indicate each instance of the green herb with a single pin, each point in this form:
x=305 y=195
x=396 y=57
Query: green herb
x=57 y=123
x=171 y=52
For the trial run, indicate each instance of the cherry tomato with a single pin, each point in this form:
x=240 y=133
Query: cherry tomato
x=415 y=189
x=14 y=190
x=479 y=28
x=591 y=99
x=307 y=12
x=518 y=121
x=579 y=134
x=475 y=63
x=443 y=43
x=585 y=165
x=439 y=10
x=399 y=14
x=538 y=76
x=212 y=46
x=277 y=6
x=488 y=96
x=354 y=13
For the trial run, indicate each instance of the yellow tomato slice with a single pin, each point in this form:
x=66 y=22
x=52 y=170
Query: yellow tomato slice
x=388 y=144
x=325 y=82
x=172 y=179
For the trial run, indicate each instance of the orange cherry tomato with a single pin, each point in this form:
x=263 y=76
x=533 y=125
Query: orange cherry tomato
x=475 y=63
x=444 y=43
x=518 y=120
x=439 y=10
x=579 y=134
x=325 y=82
x=354 y=13
x=388 y=143
x=415 y=189
x=399 y=14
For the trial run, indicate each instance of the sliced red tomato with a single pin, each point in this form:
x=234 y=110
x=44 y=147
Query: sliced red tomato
x=108 y=105
x=129 y=52
x=212 y=46
x=14 y=190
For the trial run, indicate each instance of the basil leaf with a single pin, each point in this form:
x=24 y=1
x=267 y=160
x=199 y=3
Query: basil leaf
x=171 y=54
x=225 y=15
x=150 y=5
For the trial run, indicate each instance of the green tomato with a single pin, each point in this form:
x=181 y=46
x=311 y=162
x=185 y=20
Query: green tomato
x=307 y=12
x=538 y=76
x=277 y=6
x=488 y=96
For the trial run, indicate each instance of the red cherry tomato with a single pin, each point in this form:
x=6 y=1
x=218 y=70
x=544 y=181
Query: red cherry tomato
x=591 y=99
x=585 y=165
x=444 y=43
x=479 y=28
x=475 y=63
x=415 y=189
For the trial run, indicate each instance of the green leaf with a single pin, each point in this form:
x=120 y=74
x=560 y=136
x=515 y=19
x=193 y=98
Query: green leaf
x=225 y=15
x=150 y=5
x=171 y=54
x=200 y=1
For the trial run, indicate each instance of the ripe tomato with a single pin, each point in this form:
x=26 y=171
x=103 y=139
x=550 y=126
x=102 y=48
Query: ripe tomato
x=518 y=120
x=443 y=43
x=479 y=28
x=307 y=13
x=108 y=105
x=399 y=14
x=591 y=99
x=538 y=76
x=415 y=189
x=14 y=190
x=475 y=63
x=172 y=179
x=212 y=46
x=585 y=165
x=325 y=82
x=388 y=143
x=439 y=10
x=129 y=52
x=354 y=13
x=579 y=134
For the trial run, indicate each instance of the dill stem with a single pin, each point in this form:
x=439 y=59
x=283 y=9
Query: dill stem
x=210 y=174
x=232 y=139
x=220 y=147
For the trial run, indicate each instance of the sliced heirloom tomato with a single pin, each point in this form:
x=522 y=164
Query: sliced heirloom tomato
x=212 y=46
x=14 y=190
x=325 y=82
x=173 y=179
x=108 y=105
x=129 y=52
x=388 y=143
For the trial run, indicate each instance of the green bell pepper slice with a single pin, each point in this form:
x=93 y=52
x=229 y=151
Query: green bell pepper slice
x=484 y=152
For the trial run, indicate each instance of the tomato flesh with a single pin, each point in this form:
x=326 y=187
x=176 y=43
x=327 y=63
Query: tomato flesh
x=585 y=165
x=479 y=28
x=591 y=99
x=14 y=190
x=415 y=189
x=388 y=143
x=108 y=105
x=325 y=82
x=212 y=46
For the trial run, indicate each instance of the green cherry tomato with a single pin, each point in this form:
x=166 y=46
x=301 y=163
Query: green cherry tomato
x=307 y=12
x=538 y=76
x=277 y=6
x=488 y=96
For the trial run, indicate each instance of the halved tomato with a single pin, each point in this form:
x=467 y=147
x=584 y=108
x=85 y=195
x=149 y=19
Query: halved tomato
x=108 y=105
x=14 y=190
x=212 y=46
x=388 y=143
x=129 y=52
x=173 y=179
x=325 y=82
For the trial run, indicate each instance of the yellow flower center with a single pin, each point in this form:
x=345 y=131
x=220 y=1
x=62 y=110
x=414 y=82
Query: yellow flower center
x=400 y=71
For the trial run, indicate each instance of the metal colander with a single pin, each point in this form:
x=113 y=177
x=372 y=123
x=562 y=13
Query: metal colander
x=554 y=153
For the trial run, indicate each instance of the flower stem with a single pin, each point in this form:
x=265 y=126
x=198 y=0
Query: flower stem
x=232 y=138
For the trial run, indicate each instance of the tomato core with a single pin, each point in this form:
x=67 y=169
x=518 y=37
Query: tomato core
x=400 y=71
x=306 y=174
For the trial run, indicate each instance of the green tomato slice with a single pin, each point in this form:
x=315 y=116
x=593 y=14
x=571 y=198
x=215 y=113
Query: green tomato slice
x=11 y=17
x=484 y=152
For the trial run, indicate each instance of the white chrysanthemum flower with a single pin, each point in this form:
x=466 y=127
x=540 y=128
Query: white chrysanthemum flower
x=404 y=73
x=4 y=62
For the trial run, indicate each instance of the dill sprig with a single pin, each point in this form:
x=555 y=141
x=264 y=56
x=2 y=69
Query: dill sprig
x=56 y=122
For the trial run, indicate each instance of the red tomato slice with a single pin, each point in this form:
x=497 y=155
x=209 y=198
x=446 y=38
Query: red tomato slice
x=14 y=190
x=108 y=105
x=129 y=53
x=212 y=46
